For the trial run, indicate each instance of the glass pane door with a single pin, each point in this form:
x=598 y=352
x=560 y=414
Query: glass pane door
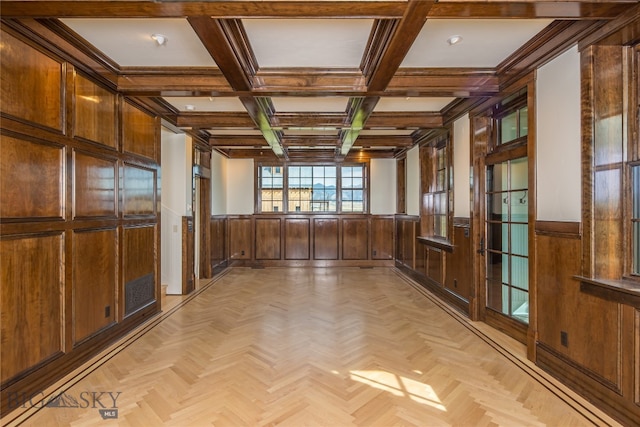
x=507 y=238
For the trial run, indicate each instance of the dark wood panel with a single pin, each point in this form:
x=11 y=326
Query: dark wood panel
x=139 y=132
x=381 y=238
x=559 y=228
x=240 y=238
x=218 y=242
x=95 y=111
x=139 y=252
x=188 y=256
x=435 y=265
x=401 y=185
x=268 y=238
x=325 y=238
x=31 y=179
x=355 y=239
x=139 y=190
x=94 y=185
x=31 y=305
x=459 y=264
x=94 y=281
x=591 y=325
x=31 y=86
x=297 y=238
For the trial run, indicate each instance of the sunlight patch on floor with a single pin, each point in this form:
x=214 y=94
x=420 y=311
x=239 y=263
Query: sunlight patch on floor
x=400 y=386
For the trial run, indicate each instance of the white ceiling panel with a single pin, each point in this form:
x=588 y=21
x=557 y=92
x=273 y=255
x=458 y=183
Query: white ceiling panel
x=411 y=104
x=485 y=43
x=221 y=132
x=206 y=104
x=300 y=104
x=308 y=42
x=308 y=132
x=128 y=41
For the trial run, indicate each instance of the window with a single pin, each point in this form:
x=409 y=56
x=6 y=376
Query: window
x=312 y=188
x=352 y=188
x=512 y=117
x=435 y=175
x=271 y=185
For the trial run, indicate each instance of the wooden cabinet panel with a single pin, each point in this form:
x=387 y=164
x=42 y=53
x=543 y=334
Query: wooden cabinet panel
x=94 y=184
x=31 y=179
x=139 y=265
x=382 y=238
x=239 y=238
x=94 y=113
x=31 y=86
x=355 y=239
x=459 y=268
x=268 y=238
x=325 y=238
x=297 y=233
x=139 y=188
x=94 y=281
x=218 y=239
x=30 y=302
x=139 y=132
x=435 y=264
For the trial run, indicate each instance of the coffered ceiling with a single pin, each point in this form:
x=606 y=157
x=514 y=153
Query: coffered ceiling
x=311 y=80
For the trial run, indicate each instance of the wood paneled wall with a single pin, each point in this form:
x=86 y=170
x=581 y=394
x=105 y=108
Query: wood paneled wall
x=309 y=240
x=79 y=236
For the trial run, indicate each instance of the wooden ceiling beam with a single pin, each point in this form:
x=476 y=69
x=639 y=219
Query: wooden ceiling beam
x=238 y=141
x=311 y=120
x=404 y=119
x=235 y=119
x=529 y=9
x=457 y=82
x=215 y=9
x=384 y=141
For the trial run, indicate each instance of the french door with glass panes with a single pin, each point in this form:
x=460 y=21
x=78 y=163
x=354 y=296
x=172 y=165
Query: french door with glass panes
x=507 y=243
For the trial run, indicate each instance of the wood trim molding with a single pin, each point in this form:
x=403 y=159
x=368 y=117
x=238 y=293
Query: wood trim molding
x=562 y=229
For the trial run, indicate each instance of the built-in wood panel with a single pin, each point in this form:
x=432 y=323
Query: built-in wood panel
x=138 y=254
x=139 y=132
x=355 y=239
x=240 y=238
x=31 y=87
x=381 y=238
x=268 y=238
x=94 y=281
x=94 y=186
x=139 y=188
x=31 y=179
x=188 y=255
x=218 y=241
x=31 y=301
x=459 y=267
x=297 y=238
x=435 y=265
x=591 y=339
x=325 y=238
x=95 y=110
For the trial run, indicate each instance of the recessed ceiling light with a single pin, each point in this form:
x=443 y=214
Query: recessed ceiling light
x=454 y=40
x=160 y=39
x=189 y=107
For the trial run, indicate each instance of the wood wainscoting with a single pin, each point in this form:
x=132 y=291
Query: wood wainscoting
x=586 y=341
x=445 y=269
x=268 y=240
x=79 y=233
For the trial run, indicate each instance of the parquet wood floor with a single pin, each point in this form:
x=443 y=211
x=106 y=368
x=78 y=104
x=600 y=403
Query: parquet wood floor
x=314 y=347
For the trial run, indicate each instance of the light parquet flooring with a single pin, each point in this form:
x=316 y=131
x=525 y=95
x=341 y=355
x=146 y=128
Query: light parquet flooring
x=313 y=347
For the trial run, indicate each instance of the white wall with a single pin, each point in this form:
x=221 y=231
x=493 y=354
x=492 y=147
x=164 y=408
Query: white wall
x=558 y=139
x=175 y=177
x=218 y=184
x=462 y=167
x=240 y=183
x=413 y=181
x=382 y=194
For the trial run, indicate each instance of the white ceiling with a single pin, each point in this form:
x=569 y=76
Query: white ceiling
x=337 y=104
x=485 y=43
x=308 y=42
x=128 y=41
x=206 y=104
x=411 y=104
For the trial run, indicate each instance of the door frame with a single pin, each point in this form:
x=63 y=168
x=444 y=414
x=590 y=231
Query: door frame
x=483 y=133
